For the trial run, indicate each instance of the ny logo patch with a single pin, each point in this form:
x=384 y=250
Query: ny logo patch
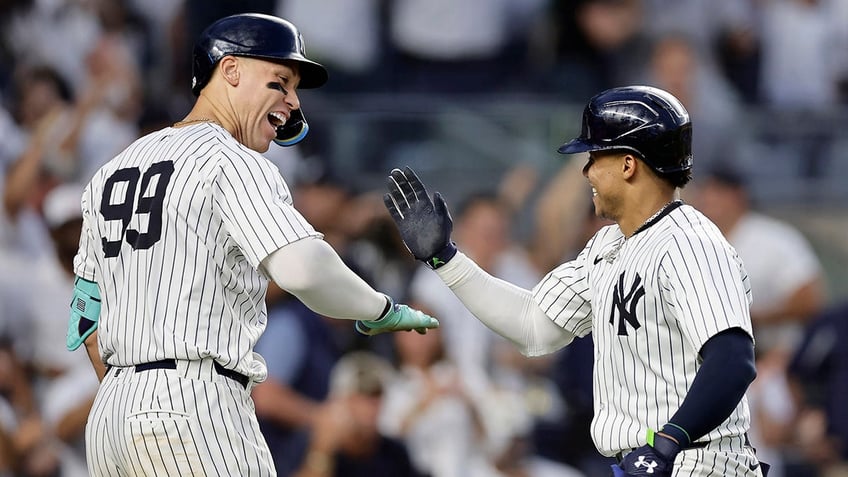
x=625 y=305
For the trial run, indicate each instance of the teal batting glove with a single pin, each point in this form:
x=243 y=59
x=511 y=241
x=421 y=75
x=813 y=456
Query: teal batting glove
x=397 y=318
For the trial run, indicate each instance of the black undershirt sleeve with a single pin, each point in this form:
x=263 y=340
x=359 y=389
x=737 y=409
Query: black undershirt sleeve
x=726 y=371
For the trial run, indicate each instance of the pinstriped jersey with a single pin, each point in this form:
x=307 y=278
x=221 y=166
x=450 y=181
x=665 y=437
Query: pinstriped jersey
x=651 y=301
x=174 y=230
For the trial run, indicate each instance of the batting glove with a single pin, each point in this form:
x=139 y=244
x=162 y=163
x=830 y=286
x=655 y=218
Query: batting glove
x=397 y=318
x=425 y=225
x=654 y=459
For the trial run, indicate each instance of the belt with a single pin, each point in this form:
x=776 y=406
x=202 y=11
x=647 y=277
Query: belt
x=172 y=364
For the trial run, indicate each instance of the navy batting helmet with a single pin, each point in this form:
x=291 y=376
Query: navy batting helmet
x=647 y=121
x=257 y=36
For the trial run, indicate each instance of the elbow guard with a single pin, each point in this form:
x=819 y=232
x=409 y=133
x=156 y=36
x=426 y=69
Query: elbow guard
x=85 y=313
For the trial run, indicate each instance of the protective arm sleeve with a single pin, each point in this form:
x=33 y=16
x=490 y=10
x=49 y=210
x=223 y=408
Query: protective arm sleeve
x=506 y=309
x=725 y=373
x=311 y=270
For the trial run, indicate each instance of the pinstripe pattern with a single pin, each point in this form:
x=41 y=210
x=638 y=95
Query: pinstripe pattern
x=695 y=286
x=191 y=293
x=159 y=422
x=725 y=457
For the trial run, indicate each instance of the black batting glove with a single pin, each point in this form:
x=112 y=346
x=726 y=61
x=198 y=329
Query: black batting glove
x=425 y=225
x=655 y=459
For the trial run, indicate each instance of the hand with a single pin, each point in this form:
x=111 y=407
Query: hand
x=398 y=318
x=655 y=459
x=425 y=225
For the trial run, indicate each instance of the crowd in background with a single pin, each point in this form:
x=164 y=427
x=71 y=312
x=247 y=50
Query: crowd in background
x=81 y=79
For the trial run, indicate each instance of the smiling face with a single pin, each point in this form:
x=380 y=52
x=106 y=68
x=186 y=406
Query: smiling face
x=604 y=171
x=265 y=97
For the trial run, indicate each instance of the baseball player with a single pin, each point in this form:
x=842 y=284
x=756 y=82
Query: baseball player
x=181 y=233
x=664 y=295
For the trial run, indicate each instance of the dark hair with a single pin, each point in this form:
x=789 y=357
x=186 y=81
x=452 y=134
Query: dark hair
x=47 y=74
x=678 y=179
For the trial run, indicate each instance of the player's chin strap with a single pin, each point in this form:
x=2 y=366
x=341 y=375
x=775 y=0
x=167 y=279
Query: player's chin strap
x=293 y=131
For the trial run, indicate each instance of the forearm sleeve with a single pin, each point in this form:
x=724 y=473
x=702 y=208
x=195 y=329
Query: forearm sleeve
x=727 y=370
x=506 y=309
x=311 y=270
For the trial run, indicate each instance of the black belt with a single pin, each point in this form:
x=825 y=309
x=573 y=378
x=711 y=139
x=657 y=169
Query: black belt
x=172 y=364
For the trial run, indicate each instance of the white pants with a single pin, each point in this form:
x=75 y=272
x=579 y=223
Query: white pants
x=728 y=456
x=188 y=421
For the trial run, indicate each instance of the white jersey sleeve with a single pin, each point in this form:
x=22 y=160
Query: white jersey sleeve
x=255 y=205
x=85 y=260
x=703 y=278
x=564 y=293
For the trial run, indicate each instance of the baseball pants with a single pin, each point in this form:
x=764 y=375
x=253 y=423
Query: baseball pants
x=188 y=421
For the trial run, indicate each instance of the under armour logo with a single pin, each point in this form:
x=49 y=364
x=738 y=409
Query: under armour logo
x=626 y=304
x=649 y=466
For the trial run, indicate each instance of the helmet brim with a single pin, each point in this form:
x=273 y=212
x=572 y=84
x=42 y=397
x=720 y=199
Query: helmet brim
x=312 y=74
x=578 y=145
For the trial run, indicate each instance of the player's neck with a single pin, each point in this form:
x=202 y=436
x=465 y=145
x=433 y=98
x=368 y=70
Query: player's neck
x=644 y=211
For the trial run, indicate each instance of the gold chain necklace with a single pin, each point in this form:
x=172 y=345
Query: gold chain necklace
x=193 y=121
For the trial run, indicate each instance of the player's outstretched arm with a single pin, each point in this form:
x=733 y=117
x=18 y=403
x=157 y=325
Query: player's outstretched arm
x=313 y=272
x=425 y=226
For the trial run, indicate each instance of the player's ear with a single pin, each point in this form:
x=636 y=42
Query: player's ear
x=229 y=68
x=628 y=166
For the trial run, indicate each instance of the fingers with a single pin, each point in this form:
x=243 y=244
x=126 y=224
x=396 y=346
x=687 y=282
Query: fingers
x=404 y=180
x=415 y=183
x=395 y=183
x=440 y=205
x=392 y=206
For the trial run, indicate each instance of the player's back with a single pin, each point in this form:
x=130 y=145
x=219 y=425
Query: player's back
x=175 y=283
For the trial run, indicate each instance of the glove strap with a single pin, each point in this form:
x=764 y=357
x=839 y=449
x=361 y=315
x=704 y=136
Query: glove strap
x=663 y=445
x=442 y=257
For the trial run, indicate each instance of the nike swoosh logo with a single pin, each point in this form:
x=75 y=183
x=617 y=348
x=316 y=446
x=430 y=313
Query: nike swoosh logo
x=754 y=466
x=597 y=259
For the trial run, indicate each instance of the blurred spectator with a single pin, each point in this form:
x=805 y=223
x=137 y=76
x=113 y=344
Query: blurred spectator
x=59 y=33
x=443 y=46
x=300 y=352
x=41 y=96
x=11 y=148
x=35 y=319
x=26 y=447
x=702 y=20
x=494 y=374
x=788 y=289
x=344 y=35
x=798 y=68
x=428 y=407
x=820 y=369
x=346 y=441
x=599 y=44
x=482 y=227
x=681 y=67
x=802 y=73
x=787 y=292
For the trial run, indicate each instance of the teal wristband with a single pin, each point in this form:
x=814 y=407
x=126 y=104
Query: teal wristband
x=84 y=313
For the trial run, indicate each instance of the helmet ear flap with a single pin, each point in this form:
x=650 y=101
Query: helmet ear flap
x=293 y=131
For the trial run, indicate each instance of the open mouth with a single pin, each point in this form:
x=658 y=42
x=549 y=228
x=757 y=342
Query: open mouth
x=276 y=119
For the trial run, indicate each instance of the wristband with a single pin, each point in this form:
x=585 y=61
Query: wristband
x=442 y=257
